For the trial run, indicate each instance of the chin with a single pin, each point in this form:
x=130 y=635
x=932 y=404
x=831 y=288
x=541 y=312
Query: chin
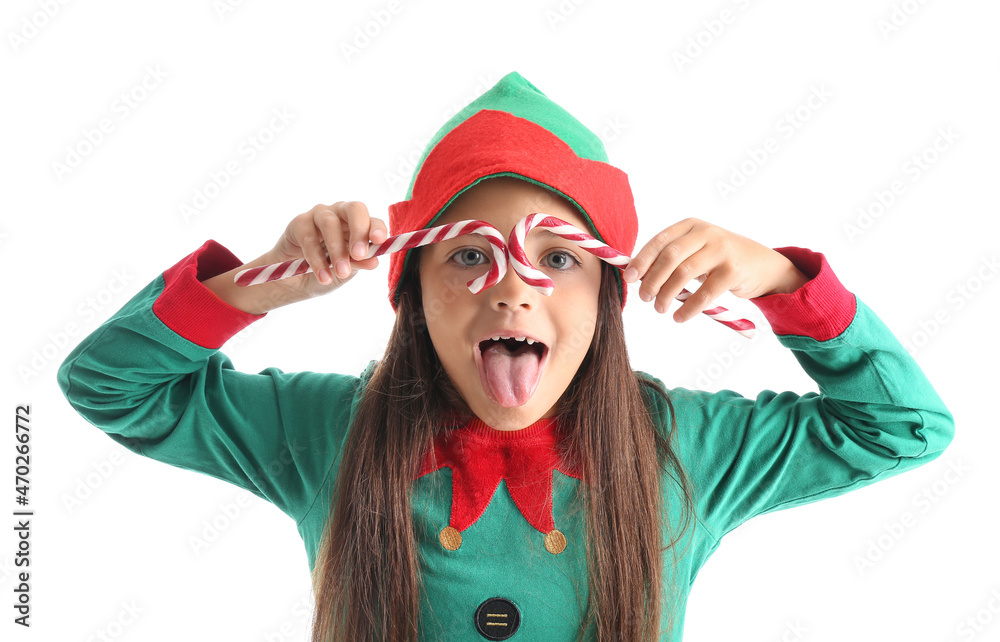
x=511 y=417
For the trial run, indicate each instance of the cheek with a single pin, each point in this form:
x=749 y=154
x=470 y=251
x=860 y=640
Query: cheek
x=445 y=296
x=434 y=310
x=576 y=331
x=579 y=323
x=446 y=317
x=579 y=336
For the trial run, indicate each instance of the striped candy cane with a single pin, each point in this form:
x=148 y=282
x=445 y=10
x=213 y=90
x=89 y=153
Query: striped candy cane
x=398 y=243
x=536 y=279
x=514 y=248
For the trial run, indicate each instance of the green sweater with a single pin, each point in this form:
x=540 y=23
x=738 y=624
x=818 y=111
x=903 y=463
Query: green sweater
x=153 y=379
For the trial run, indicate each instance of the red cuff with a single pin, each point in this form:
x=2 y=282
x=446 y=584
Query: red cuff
x=821 y=309
x=193 y=311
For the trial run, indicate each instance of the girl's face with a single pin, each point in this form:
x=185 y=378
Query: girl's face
x=501 y=389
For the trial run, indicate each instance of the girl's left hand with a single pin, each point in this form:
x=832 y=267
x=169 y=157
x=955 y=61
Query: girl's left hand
x=720 y=259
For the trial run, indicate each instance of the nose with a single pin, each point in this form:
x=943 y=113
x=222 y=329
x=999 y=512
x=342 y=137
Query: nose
x=511 y=292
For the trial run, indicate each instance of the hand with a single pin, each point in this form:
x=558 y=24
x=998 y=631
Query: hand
x=721 y=260
x=331 y=235
x=321 y=236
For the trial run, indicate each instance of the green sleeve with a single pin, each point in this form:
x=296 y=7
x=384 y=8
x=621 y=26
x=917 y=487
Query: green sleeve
x=876 y=415
x=163 y=396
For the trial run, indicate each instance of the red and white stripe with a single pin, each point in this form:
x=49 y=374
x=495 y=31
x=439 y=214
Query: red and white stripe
x=399 y=243
x=536 y=279
x=512 y=249
x=724 y=316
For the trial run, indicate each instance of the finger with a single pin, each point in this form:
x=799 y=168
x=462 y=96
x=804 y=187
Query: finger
x=378 y=231
x=696 y=265
x=704 y=297
x=672 y=265
x=311 y=242
x=330 y=224
x=365 y=264
x=359 y=225
x=651 y=250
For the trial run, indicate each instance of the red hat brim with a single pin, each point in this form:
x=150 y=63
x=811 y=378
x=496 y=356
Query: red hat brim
x=492 y=143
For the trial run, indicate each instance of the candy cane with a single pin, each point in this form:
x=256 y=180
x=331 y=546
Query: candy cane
x=398 y=243
x=536 y=279
x=514 y=247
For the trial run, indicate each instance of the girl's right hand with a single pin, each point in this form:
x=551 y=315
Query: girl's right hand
x=335 y=235
x=322 y=236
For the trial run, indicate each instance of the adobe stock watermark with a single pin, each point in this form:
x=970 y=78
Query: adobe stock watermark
x=212 y=528
x=244 y=335
x=224 y=8
x=786 y=126
x=722 y=361
x=924 y=501
x=405 y=165
x=99 y=474
x=954 y=300
x=562 y=12
x=899 y=16
x=58 y=342
x=247 y=150
x=122 y=107
x=712 y=28
x=293 y=627
x=610 y=130
x=885 y=197
x=8 y=571
x=402 y=173
x=978 y=622
x=794 y=631
x=228 y=513
x=483 y=84
x=128 y=613
x=438 y=307
x=84 y=486
x=33 y=24
x=366 y=33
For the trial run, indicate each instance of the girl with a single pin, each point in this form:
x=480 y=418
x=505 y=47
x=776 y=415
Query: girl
x=471 y=486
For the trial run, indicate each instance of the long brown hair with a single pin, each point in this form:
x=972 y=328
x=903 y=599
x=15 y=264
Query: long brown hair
x=366 y=577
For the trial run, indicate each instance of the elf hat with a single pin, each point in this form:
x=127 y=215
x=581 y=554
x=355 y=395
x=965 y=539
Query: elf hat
x=513 y=129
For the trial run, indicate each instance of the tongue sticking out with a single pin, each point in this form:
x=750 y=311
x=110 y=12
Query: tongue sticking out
x=510 y=378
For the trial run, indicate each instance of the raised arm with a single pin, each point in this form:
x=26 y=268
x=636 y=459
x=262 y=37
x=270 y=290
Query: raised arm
x=152 y=378
x=876 y=414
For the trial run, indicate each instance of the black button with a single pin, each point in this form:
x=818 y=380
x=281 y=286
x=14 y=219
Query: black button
x=497 y=619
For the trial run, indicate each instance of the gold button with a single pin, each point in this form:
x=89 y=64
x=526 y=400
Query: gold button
x=450 y=538
x=555 y=542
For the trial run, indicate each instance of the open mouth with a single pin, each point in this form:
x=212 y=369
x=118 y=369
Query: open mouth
x=513 y=345
x=510 y=370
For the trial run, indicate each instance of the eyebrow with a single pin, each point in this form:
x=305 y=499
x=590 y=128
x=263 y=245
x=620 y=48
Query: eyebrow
x=550 y=235
x=540 y=230
x=556 y=237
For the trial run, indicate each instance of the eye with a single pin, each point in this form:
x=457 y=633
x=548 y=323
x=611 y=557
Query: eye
x=562 y=260
x=468 y=253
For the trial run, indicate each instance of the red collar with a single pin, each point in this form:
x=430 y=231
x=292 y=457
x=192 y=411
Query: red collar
x=480 y=456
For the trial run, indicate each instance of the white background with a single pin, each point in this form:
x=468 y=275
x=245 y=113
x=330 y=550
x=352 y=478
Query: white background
x=112 y=530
